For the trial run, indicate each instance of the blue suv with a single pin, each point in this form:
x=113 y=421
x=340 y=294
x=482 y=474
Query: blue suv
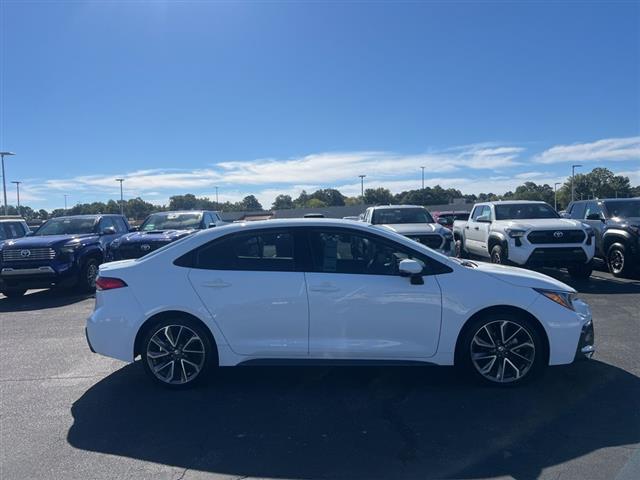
x=63 y=252
x=159 y=229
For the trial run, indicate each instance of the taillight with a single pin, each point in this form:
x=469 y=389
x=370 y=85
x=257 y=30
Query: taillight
x=109 y=283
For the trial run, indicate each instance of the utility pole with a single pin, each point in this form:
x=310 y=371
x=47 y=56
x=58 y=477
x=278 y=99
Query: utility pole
x=65 y=203
x=17 y=193
x=217 y=203
x=362 y=186
x=4 y=183
x=555 y=195
x=422 y=177
x=121 y=196
x=573 y=174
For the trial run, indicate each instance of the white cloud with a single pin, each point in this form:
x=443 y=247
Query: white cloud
x=609 y=149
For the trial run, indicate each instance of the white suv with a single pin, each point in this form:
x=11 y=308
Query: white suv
x=334 y=291
x=414 y=222
x=528 y=234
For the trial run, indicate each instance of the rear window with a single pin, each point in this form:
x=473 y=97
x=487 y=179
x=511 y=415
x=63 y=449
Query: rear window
x=521 y=211
x=393 y=216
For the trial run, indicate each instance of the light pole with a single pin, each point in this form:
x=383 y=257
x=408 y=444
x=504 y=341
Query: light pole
x=555 y=195
x=573 y=174
x=217 y=203
x=4 y=183
x=362 y=186
x=17 y=193
x=65 y=203
x=121 y=196
x=422 y=177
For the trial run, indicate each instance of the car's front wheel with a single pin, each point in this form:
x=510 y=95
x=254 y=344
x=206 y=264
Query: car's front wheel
x=88 y=275
x=499 y=255
x=617 y=261
x=177 y=353
x=501 y=349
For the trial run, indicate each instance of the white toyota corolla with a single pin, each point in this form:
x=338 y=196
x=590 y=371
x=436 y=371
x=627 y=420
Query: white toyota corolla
x=309 y=290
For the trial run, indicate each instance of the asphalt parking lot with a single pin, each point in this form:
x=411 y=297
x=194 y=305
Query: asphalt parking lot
x=67 y=413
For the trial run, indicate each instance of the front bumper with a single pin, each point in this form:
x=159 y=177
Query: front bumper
x=37 y=275
x=586 y=343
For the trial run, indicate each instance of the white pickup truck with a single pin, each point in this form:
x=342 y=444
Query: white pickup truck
x=414 y=222
x=526 y=234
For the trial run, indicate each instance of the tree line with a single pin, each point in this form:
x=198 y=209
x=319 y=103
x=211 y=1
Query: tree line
x=599 y=183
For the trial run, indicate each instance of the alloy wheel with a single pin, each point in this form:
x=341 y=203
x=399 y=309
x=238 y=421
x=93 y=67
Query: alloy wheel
x=175 y=354
x=92 y=274
x=616 y=261
x=502 y=351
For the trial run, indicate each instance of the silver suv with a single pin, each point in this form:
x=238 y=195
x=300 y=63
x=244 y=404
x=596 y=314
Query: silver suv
x=414 y=222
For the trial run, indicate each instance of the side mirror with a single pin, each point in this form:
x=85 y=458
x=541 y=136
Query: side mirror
x=29 y=234
x=134 y=229
x=413 y=269
x=443 y=221
x=594 y=216
x=564 y=215
x=108 y=231
x=211 y=225
x=483 y=219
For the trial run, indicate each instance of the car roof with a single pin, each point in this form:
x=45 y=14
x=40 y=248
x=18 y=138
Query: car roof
x=511 y=202
x=382 y=207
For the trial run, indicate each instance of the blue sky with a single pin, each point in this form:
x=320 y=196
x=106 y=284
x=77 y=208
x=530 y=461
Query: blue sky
x=273 y=97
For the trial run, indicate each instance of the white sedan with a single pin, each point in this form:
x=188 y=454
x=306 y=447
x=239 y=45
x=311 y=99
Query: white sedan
x=310 y=290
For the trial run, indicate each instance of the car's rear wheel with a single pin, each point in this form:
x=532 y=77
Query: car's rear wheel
x=460 y=251
x=502 y=349
x=617 y=261
x=177 y=353
x=14 y=292
x=581 y=272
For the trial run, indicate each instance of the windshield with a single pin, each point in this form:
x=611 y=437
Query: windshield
x=520 y=211
x=67 y=226
x=171 y=221
x=391 y=216
x=623 y=209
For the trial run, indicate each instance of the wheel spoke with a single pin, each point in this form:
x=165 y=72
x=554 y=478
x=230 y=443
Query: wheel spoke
x=493 y=343
x=169 y=336
x=160 y=343
x=487 y=368
x=156 y=355
x=513 y=335
x=502 y=327
x=507 y=361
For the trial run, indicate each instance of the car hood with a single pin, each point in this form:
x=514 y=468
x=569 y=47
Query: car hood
x=154 y=236
x=543 y=224
x=521 y=277
x=414 y=228
x=47 y=241
x=624 y=222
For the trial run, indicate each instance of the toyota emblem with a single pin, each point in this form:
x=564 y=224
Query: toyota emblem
x=25 y=253
x=145 y=247
x=558 y=234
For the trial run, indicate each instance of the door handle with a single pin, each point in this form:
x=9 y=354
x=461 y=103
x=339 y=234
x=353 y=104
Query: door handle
x=324 y=287
x=216 y=284
x=467 y=227
x=476 y=228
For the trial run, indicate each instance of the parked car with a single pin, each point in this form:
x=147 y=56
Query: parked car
x=292 y=291
x=527 y=234
x=63 y=252
x=12 y=227
x=159 y=229
x=616 y=222
x=447 y=218
x=414 y=222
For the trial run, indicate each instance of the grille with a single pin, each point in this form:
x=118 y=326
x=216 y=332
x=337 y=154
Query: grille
x=431 y=241
x=553 y=236
x=33 y=254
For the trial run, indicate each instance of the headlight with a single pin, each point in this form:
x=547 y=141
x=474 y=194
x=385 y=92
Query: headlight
x=515 y=232
x=561 y=298
x=69 y=248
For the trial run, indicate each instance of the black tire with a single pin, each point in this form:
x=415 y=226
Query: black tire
x=492 y=321
x=499 y=255
x=617 y=260
x=181 y=330
x=14 y=292
x=581 y=272
x=88 y=274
